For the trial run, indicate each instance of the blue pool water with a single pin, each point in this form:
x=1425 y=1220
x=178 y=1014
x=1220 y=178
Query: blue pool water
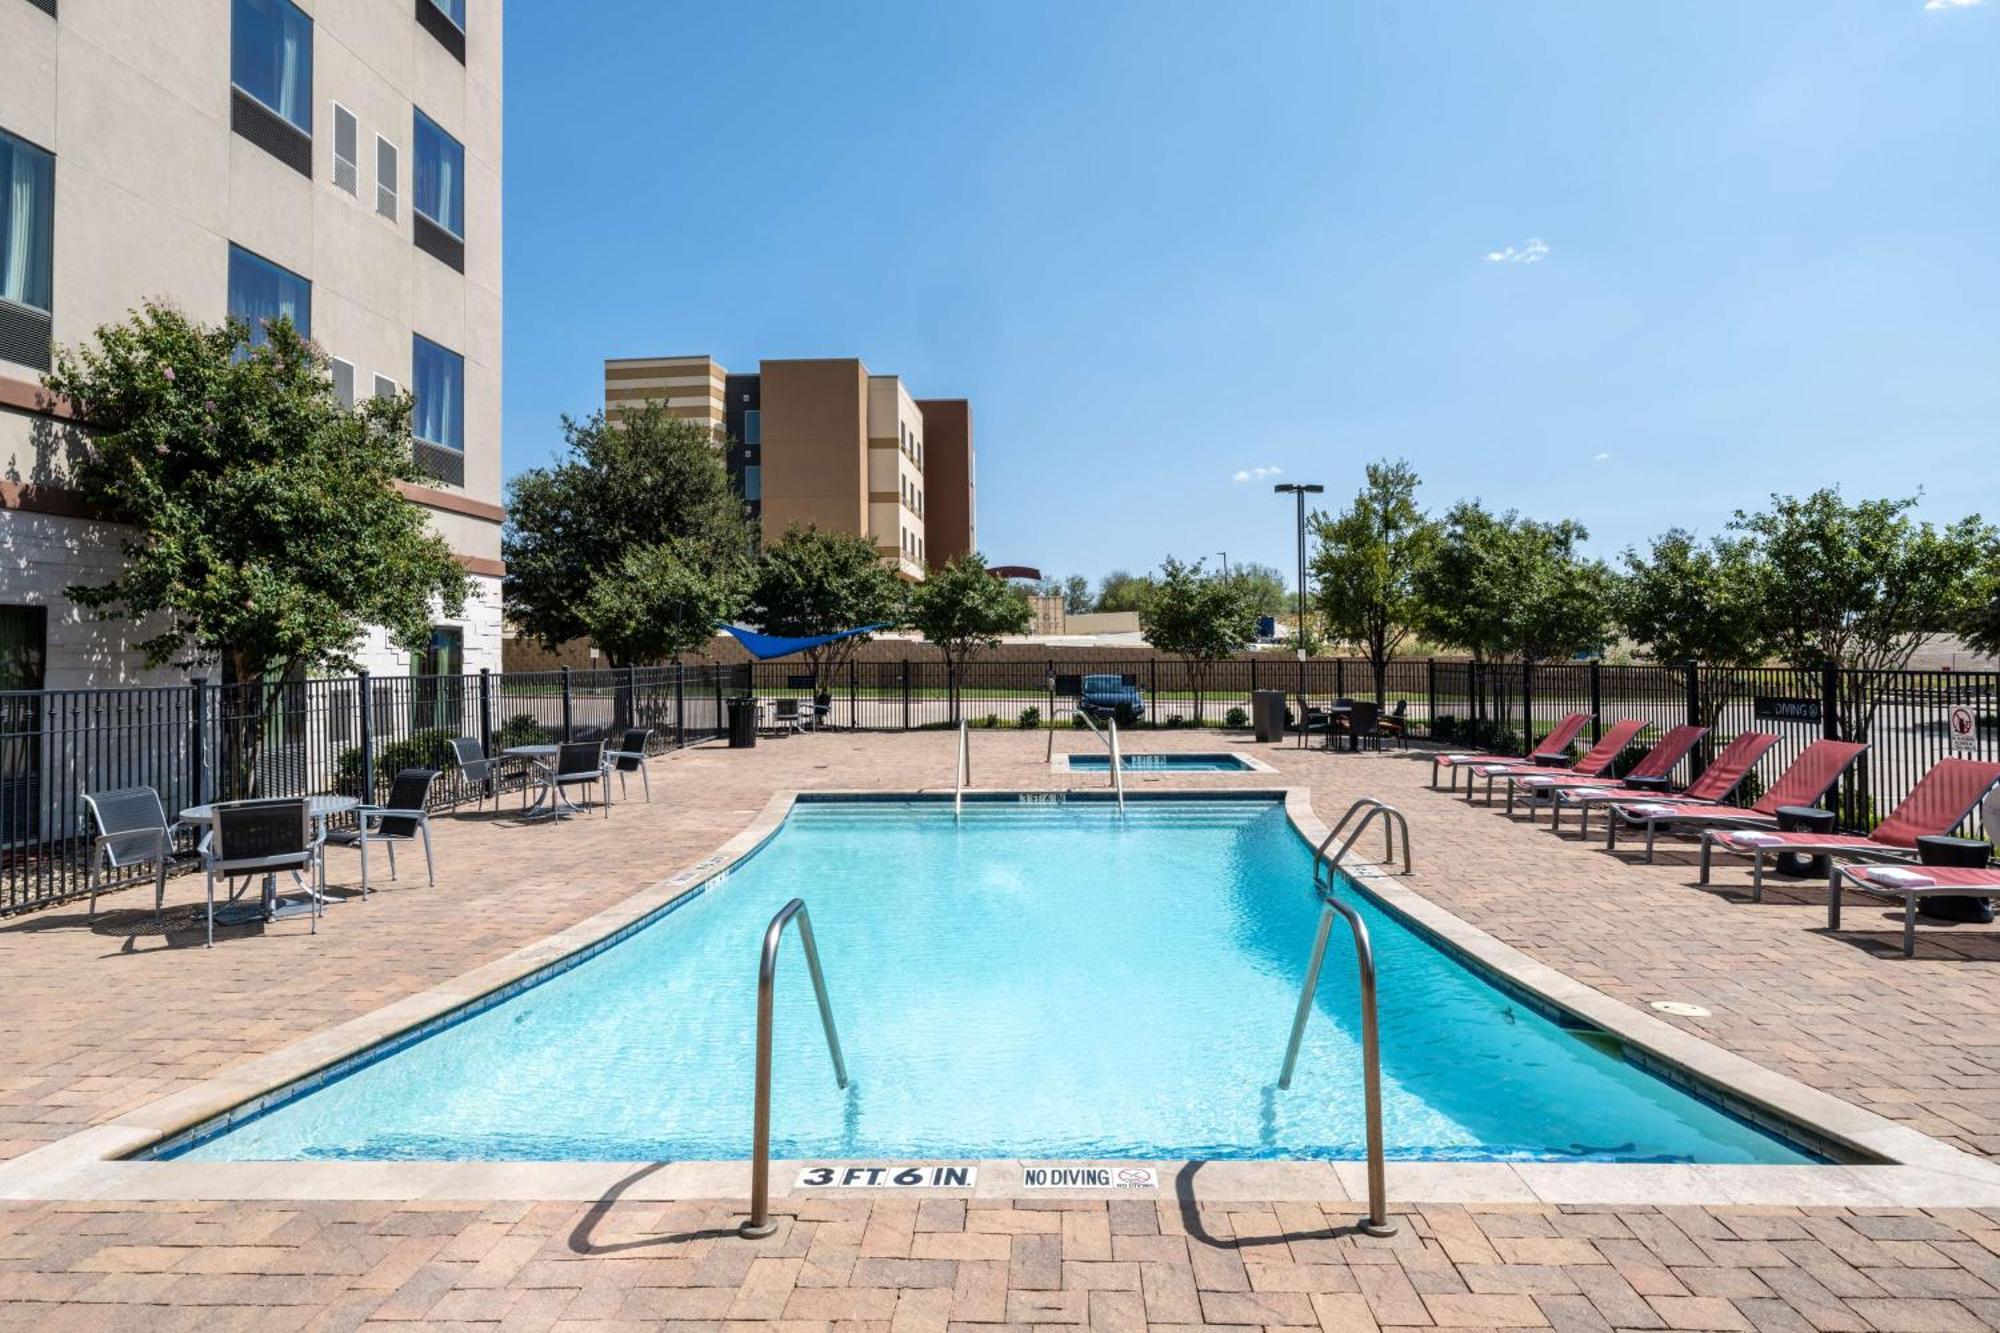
x=1044 y=980
x=1161 y=763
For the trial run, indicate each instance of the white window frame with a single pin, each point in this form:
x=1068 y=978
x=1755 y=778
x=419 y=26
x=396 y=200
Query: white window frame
x=353 y=164
x=394 y=388
x=395 y=209
x=332 y=364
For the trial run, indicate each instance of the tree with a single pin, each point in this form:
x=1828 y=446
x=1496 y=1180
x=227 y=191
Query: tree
x=1263 y=587
x=1686 y=601
x=1563 y=603
x=262 y=524
x=1199 y=618
x=658 y=602
x=810 y=583
x=1076 y=595
x=1982 y=630
x=963 y=608
x=646 y=480
x=1370 y=559
x=1464 y=592
x=1122 y=591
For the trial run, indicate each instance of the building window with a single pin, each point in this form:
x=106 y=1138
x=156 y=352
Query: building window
x=437 y=695
x=385 y=178
x=261 y=292
x=753 y=426
x=453 y=10
x=437 y=379
x=24 y=646
x=271 y=57
x=440 y=176
x=384 y=387
x=753 y=483
x=346 y=150
x=444 y=20
x=343 y=380
x=27 y=222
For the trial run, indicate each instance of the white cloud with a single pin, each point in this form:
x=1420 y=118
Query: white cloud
x=1933 y=5
x=1533 y=252
x=1601 y=458
x=1256 y=473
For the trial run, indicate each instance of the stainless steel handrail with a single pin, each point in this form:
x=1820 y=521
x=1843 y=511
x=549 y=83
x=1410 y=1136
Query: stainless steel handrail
x=1377 y=1223
x=760 y=1223
x=963 y=777
x=1117 y=765
x=1392 y=819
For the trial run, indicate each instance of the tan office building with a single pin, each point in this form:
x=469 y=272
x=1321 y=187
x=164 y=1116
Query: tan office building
x=336 y=161
x=826 y=443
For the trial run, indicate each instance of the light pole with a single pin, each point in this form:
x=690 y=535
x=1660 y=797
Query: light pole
x=1301 y=490
x=1225 y=563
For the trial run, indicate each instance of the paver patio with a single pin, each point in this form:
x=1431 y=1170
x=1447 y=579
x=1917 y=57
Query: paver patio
x=100 y=1019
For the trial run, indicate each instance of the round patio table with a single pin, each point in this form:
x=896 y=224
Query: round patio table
x=321 y=809
x=535 y=754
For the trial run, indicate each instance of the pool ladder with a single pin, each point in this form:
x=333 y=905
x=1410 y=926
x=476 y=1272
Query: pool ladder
x=1110 y=743
x=962 y=774
x=1326 y=884
x=760 y=1223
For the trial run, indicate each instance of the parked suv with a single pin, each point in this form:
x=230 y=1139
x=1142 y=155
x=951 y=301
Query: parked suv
x=1109 y=695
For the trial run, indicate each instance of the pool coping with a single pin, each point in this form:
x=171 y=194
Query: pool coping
x=1919 y=1171
x=1251 y=764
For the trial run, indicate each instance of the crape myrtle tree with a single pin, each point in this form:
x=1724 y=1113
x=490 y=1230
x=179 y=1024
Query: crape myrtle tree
x=1369 y=560
x=1862 y=586
x=963 y=608
x=1685 y=600
x=261 y=525
x=660 y=601
x=811 y=582
x=1199 y=618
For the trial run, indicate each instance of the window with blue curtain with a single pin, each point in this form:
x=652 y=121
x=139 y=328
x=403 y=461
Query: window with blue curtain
x=440 y=176
x=260 y=291
x=27 y=222
x=437 y=383
x=453 y=10
x=271 y=57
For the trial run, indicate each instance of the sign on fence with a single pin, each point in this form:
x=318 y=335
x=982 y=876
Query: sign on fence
x=1962 y=725
x=1771 y=708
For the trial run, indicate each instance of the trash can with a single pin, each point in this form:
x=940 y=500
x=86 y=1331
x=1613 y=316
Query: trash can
x=742 y=722
x=1804 y=819
x=1935 y=850
x=1267 y=714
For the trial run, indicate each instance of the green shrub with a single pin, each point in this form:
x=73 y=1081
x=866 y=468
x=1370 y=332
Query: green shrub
x=990 y=721
x=1175 y=721
x=1236 y=719
x=1030 y=718
x=423 y=749
x=520 y=729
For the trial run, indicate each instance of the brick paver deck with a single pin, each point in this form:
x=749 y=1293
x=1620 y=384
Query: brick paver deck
x=100 y=1018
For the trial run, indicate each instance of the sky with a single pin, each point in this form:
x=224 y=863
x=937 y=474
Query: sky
x=1637 y=264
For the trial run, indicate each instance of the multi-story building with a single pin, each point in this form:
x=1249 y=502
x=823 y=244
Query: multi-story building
x=337 y=161
x=828 y=444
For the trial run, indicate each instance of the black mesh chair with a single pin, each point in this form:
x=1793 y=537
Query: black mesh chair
x=1363 y=723
x=488 y=774
x=262 y=838
x=405 y=818
x=1313 y=720
x=132 y=831
x=630 y=757
x=578 y=764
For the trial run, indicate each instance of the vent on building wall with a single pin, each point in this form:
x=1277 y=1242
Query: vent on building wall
x=24 y=335
x=346 y=150
x=438 y=243
x=385 y=178
x=384 y=387
x=447 y=465
x=270 y=132
x=439 y=25
x=46 y=6
x=343 y=381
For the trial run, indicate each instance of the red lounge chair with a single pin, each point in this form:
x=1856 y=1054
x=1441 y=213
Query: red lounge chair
x=1655 y=767
x=1810 y=776
x=1715 y=785
x=1594 y=764
x=1939 y=803
x=1912 y=884
x=1554 y=746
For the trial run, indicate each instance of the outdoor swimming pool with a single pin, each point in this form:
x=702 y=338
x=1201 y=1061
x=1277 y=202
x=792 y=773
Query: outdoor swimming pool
x=1162 y=763
x=1048 y=979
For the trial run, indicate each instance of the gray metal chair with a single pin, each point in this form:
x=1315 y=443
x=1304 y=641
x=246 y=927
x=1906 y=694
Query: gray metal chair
x=630 y=757
x=489 y=774
x=786 y=719
x=132 y=830
x=406 y=818
x=578 y=764
x=262 y=838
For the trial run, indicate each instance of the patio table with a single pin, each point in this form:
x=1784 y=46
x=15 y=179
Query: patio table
x=536 y=754
x=321 y=809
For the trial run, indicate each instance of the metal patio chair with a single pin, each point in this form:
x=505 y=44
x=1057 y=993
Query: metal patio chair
x=578 y=764
x=132 y=830
x=473 y=762
x=630 y=757
x=786 y=719
x=262 y=838
x=405 y=818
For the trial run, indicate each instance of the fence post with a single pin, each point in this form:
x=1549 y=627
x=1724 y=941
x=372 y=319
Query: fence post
x=1694 y=692
x=1527 y=707
x=680 y=704
x=1340 y=678
x=1596 y=701
x=853 y=695
x=1829 y=701
x=720 y=725
x=486 y=709
x=197 y=739
x=1253 y=675
x=906 y=693
x=1430 y=697
x=1153 y=693
x=367 y=695
x=567 y=701
x=632 y=696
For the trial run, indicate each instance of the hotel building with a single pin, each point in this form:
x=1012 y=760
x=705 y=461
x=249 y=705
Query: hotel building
x=826 y=443
x=337 y=161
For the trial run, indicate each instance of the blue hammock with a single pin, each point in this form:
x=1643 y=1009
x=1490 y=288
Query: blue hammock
x=766 y=646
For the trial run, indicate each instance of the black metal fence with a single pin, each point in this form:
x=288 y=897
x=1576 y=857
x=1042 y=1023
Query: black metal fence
x=202 y=742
